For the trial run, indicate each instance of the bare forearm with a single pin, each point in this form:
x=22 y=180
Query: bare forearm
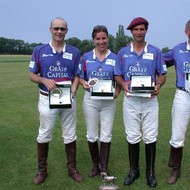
x=35 y=78
x=49 y=83
x=120 y=81
x=75 y=84
x=161 y=80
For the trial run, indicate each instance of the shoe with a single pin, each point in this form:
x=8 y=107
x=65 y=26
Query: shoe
x=40 y=178
x=151 y=181
x=133 y=175
x=174 y=176
x=94 y=172
x=76 y=176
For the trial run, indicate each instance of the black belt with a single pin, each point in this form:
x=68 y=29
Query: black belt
x=43 y=93
x=181 y=88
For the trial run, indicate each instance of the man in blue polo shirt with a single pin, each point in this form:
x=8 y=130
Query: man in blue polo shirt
x=52 y=63
x=141 y=59
x=179 y=56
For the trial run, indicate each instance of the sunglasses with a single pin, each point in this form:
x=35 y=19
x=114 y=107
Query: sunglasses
x=60 y=28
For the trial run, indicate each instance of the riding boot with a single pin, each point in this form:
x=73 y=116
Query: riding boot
x=94 y=152
x=71 y=162
x=175 y=163
x=42 y=149
x=104 y=156
x=134 y=174
x=150 y=152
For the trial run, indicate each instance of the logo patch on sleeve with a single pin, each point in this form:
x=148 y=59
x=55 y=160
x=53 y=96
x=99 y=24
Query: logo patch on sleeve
x=31 y=65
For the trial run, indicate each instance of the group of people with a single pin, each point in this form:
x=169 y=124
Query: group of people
x=57 y=61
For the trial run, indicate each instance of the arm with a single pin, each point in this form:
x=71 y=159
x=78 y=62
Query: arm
x=84 y=83
x=117 y=90
x=168 y=58
x=159 y=83
x=120 y=81
x=49 y=83
x=75 y=85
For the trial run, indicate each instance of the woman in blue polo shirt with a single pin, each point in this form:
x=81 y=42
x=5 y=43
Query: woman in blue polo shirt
x=99 y=64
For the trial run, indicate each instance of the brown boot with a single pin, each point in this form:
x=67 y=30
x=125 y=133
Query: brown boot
x=104 y=156
x=175 y=163
x=174 y=176
x=42 y=163
x=94 y=152
x=71 y=164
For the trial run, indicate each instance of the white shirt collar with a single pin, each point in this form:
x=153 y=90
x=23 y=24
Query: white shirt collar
x=188 y=46
x=53 y=49
x=94 y=54
x=145 y=48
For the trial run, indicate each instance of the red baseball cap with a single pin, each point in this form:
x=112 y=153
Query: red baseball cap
x=137 y=21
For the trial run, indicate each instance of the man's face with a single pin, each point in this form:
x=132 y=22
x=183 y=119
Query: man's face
x=58 y=30
x=139 y=33
x=187 y=32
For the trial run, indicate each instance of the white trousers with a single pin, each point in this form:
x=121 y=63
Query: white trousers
x=95 y=110
x=140 y=117
x=48 y=118
x=180 y=118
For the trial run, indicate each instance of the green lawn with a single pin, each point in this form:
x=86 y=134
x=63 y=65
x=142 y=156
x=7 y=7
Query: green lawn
x=19 y=127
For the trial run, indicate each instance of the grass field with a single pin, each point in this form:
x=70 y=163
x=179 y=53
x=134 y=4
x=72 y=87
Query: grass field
x=19 y=127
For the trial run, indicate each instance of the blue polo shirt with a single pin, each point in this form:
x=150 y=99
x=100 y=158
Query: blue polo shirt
x=149 y=62
x=50 y=64
x=180 y=57
x=92 y=67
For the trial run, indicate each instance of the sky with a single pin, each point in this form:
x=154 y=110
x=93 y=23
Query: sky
x=29 y=20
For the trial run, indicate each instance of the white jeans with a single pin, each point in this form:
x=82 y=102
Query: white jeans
x=180 y=118
x=48 y=118
x=140 y=112
x=95 y=109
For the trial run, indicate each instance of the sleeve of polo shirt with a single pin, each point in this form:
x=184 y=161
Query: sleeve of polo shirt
x=34 y=62
x=82 y=68
x=169 y=58
x=118 y=64
x=77 y=62
x=161 y=66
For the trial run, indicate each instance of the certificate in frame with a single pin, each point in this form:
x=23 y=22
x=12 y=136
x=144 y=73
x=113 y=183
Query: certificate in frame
x=103 y=90
x=141 y=84
x=61 y=97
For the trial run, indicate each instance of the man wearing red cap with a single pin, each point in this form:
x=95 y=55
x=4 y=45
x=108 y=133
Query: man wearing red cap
x=140 y=114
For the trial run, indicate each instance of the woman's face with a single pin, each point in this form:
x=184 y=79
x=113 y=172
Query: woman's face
x=101 y=41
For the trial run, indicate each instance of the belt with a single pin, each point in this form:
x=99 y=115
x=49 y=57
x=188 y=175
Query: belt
x=43 y=93
x=181 y=88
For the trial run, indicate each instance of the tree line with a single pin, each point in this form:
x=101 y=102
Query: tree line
x=19 y=47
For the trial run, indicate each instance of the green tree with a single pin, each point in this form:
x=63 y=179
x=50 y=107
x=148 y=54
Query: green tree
x=164 y=50
x=121 y=39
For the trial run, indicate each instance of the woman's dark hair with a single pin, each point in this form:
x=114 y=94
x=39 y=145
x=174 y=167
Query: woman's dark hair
x=99 y=28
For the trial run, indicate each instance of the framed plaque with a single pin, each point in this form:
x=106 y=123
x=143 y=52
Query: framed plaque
x=187 y=82
x=61 y=96
x=103 y=90
x=141 y=84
